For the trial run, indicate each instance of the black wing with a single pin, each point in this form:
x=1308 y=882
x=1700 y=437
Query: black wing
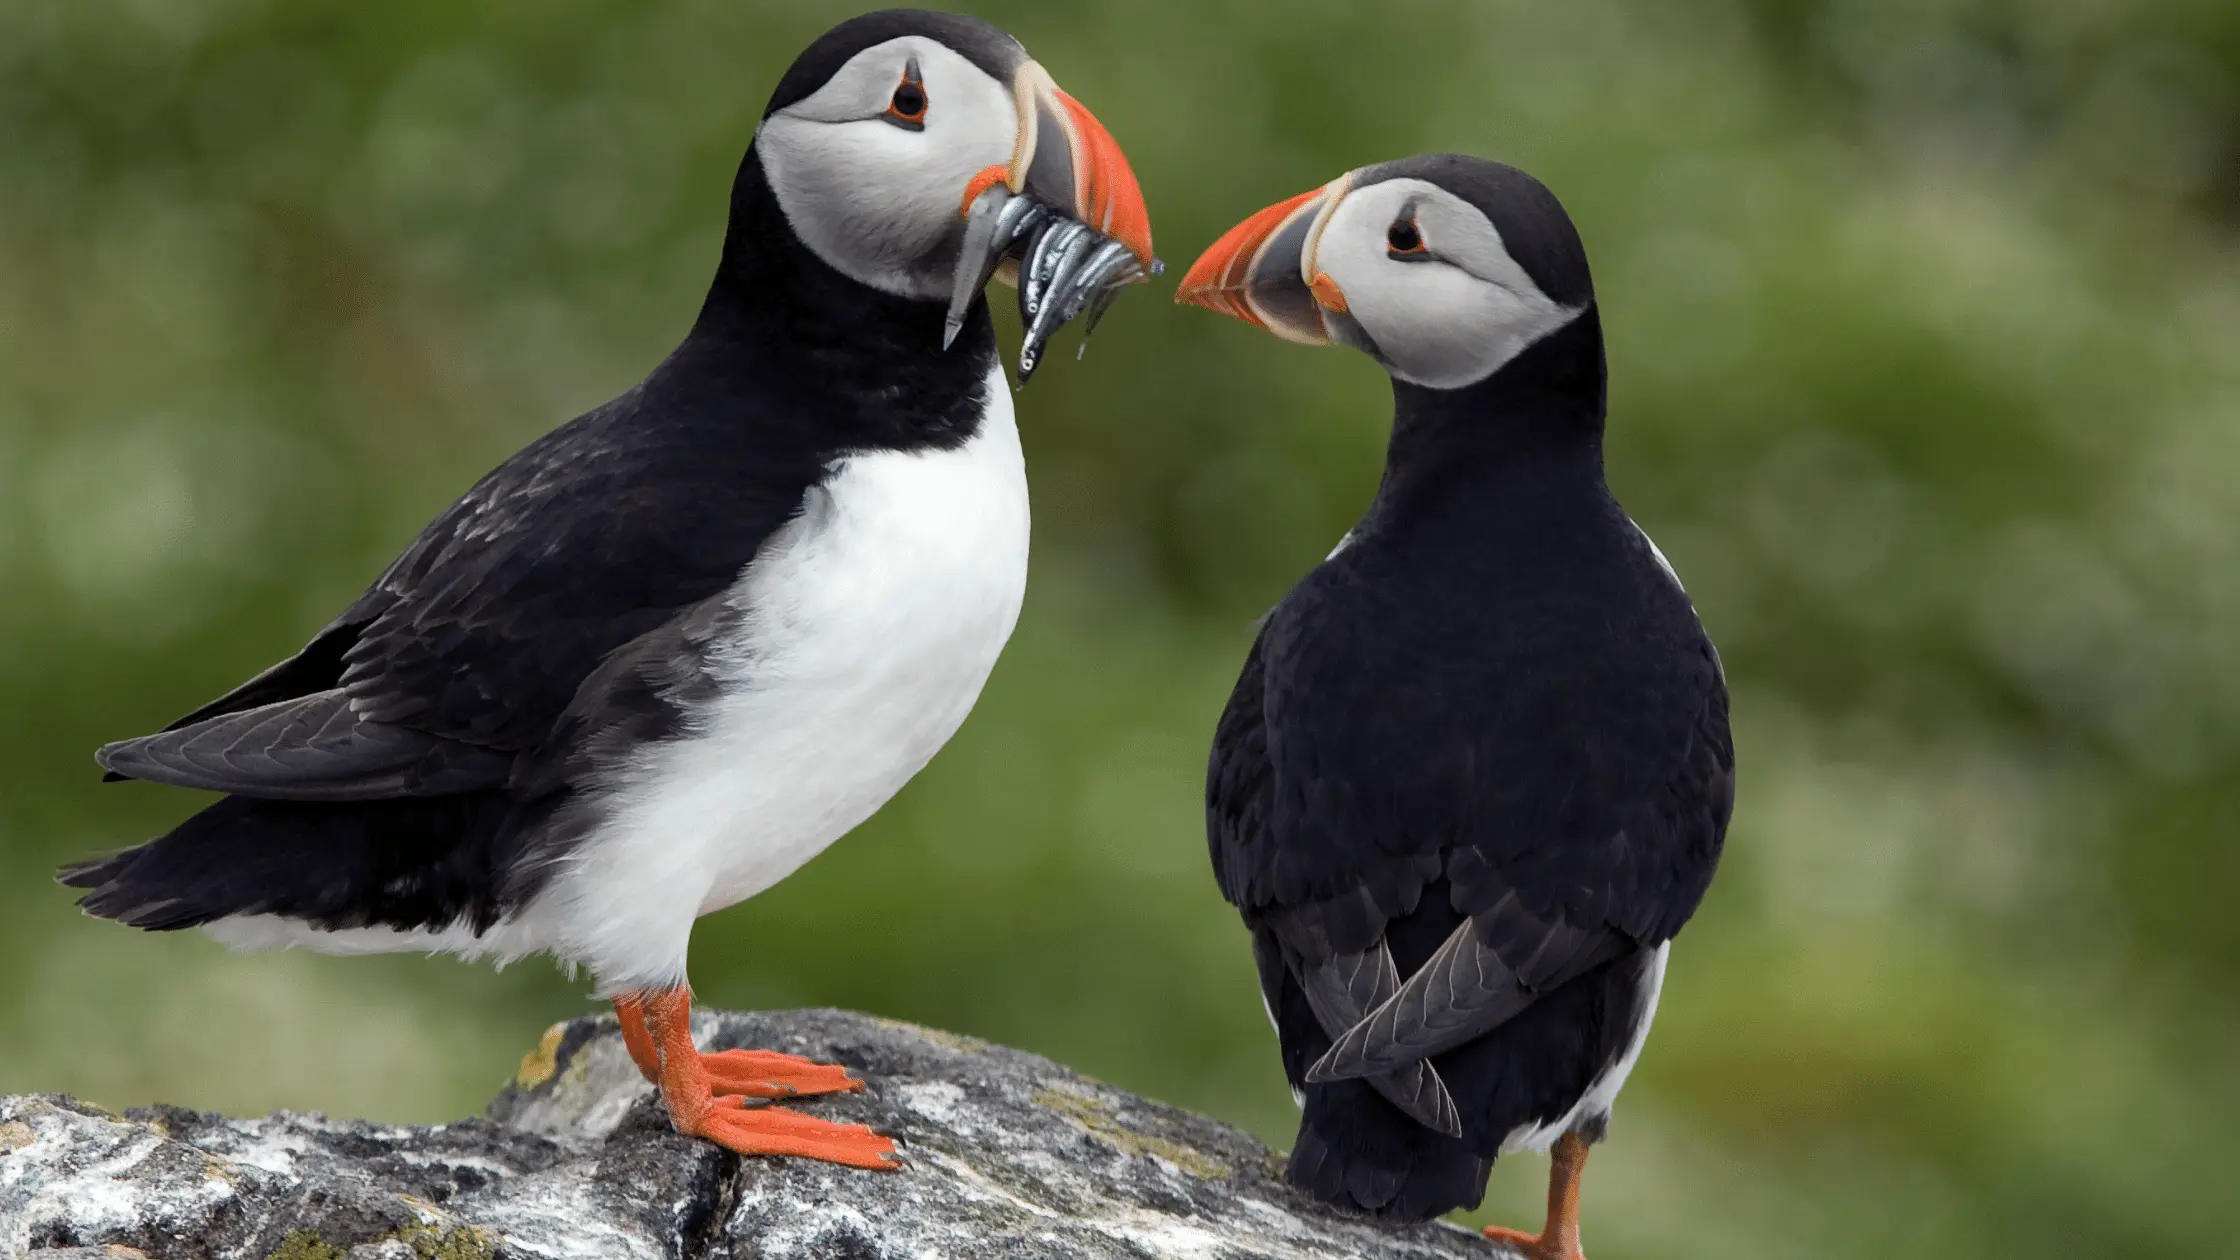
x=1341 y=987
x=1566 y=781
x=1653 y=872
x=309 y=749
x=468 y=650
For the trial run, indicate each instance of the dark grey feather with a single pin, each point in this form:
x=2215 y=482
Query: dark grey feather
x=1467 y=989
x=1348 y=987
x=314 y=748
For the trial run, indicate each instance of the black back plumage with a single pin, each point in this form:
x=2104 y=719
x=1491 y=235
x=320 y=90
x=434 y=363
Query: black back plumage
x=1491 y=707
x=405 y=767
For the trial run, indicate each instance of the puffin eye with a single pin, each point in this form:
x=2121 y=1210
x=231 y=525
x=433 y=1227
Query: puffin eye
x=907 y=108
x=1404 y=242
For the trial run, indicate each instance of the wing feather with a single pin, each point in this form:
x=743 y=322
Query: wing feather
x=1466 y=989
x=315 y=748
x=468 y=651
x=1341 y=986
x=1341 y=993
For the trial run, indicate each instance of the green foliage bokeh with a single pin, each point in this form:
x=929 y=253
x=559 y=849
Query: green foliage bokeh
x=1924 y=324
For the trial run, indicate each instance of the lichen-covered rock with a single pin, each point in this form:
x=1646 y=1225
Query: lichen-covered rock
x=1010 y=1157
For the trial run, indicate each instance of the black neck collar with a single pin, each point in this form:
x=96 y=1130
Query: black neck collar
x=844 y=364
x=1540 y=412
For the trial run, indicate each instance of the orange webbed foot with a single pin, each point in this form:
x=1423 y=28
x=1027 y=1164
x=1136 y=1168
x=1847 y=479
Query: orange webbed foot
x=709 y=1095
x=1536 y=1246
x=769 y=1074
x=746 y=1073
x=777 y=1131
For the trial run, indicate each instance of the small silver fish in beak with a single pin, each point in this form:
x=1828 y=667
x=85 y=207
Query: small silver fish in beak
x=1066 y=212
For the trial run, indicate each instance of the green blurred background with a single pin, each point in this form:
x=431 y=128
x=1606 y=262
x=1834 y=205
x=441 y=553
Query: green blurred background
x=1924 y=324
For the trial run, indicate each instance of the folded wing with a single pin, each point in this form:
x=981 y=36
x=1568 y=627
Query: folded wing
x=1468 y=988
x=463 y=658
x=312 y=748
x=1342 y=992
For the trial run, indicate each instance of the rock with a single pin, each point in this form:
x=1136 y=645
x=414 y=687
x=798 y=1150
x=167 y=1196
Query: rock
x=1010 y=1157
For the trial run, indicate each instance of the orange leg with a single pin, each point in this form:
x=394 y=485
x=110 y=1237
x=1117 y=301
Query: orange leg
x=631 y=1010
x=747 y=1073
x=697 y=1111
x=1559 y=1238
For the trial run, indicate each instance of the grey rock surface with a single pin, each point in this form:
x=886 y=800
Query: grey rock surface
x=1010 y=1157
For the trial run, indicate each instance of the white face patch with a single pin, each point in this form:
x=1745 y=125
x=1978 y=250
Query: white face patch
x=1449 y=318
x=882 y=203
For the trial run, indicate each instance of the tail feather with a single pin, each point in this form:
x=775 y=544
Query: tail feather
x=404 y=863
x=1359 y=1153
x=93 y=872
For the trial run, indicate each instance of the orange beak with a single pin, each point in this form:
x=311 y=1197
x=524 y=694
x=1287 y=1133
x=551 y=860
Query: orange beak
x=1262 y=270
x=1068 y=210
x=1105 y=189
x=1068 y=158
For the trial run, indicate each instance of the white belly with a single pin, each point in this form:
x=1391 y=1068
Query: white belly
x=871 y=623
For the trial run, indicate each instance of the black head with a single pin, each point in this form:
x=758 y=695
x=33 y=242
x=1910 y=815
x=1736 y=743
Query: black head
x=892 y=128
x=982 y=44
x=1533 y=228
x=1444 y=267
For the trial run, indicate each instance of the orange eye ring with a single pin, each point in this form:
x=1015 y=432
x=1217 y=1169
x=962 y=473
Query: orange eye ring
x=1403 y=240
x=908 y=105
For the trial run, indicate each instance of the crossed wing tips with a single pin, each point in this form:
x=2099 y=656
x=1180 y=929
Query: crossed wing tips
x=1463 y=991
x=1341 y=993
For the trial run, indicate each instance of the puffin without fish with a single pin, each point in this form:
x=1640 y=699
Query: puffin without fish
x=670 y=651
x=1476 y=773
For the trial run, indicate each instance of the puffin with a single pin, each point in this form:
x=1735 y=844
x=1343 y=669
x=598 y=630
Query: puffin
x=1476 y=772
x=668 y=652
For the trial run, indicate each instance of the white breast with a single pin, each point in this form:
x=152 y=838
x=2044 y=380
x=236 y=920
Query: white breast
x=870 y=624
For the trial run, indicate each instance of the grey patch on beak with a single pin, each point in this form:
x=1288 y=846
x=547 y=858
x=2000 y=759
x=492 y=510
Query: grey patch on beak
x=1050 y=173
x=1275 y=283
